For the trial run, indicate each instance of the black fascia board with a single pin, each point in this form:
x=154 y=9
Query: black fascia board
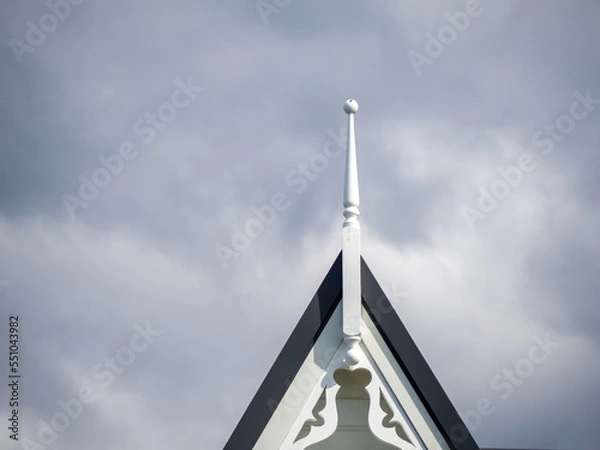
x=289 y=361
x=306 y=333
x=413 y=363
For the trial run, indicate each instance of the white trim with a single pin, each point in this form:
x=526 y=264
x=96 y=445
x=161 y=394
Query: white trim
x=316 y=376
x=405 y=396
x=351 y=242
x=299 y=392
x=377 y=390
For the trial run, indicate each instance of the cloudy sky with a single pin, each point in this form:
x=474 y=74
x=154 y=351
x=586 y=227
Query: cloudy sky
x=140 y=138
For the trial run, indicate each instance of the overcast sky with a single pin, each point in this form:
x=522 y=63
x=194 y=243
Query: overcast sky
x=137 y=137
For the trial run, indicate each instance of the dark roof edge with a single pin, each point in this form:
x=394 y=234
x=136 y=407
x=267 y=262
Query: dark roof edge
x=308 y=330
x=411 y=360
x=287 y=364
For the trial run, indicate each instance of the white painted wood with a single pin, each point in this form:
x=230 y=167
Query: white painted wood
x=330 y=415
x=377 y=416
x=404 y=395
x=351 y=277
x=351 y=242
x=351 y=191
x=350 y=341
x=316 y=375
x=304 y=388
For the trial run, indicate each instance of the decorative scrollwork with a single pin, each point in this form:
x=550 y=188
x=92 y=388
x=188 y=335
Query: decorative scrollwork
x=385 y=420
x=377 y=416
x=329 y=414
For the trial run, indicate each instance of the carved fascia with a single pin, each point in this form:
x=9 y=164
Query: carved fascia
x=377 y=390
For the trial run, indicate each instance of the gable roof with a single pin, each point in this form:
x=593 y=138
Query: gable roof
x=397 y=338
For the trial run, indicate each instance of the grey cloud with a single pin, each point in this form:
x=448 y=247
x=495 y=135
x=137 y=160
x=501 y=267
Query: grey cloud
x=144 y=248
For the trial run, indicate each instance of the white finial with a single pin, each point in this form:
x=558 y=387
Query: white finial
x=351 y=106
x=351 y=196
x=351 y=244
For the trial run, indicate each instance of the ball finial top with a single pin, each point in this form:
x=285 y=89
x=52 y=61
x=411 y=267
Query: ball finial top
x=351 y=106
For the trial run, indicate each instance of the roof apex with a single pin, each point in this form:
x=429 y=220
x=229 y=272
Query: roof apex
x=406 y=353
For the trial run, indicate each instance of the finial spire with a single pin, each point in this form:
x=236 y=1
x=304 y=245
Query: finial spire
x=351 y=195
x=351 y=244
